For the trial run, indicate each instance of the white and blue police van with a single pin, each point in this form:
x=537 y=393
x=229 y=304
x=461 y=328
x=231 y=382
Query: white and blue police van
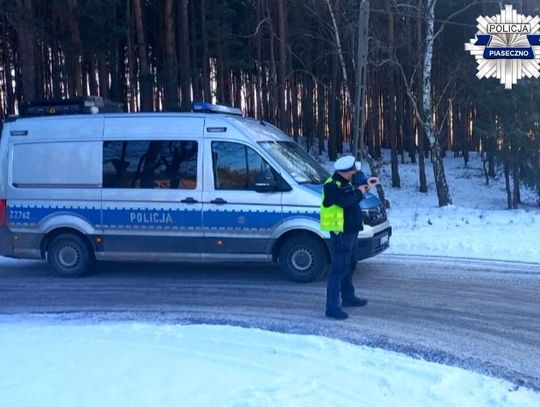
x=78 y=185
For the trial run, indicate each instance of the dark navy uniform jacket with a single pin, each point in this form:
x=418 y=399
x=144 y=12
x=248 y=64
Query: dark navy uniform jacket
x=347 y=197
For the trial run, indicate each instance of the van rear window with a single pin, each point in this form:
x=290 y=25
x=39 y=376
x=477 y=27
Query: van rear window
x=163 y=164
x=62 y=164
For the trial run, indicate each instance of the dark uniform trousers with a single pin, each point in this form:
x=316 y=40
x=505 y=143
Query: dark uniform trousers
x=344 y=250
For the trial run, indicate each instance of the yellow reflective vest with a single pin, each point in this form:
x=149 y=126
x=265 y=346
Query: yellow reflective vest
x=332 y=218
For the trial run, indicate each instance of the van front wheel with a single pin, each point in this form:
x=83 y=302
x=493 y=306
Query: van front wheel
x=70 y=256
x=304 y=258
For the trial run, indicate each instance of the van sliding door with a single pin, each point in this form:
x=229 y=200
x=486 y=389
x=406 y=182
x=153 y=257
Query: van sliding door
x=152 y=189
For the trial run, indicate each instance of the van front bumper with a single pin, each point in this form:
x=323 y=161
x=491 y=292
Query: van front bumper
x=374 y=245
x=6 y=243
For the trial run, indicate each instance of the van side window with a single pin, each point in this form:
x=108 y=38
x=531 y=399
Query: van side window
x=165 y=164
x=236 y=166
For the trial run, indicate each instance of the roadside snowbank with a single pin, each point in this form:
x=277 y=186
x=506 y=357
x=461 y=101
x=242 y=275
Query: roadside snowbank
x=50 y=363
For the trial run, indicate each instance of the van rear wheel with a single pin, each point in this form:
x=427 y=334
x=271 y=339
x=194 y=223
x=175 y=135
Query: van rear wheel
x=70 y=256
x=304 y=258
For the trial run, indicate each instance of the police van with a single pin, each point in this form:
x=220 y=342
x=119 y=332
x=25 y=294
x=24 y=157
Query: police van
x=80 y=185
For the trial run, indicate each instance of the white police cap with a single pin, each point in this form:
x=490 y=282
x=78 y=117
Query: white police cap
x=347 y=163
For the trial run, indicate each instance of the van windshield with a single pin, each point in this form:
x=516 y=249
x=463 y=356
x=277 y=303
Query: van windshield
x=297 y=162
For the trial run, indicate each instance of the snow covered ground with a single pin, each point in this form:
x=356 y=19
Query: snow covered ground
x=47 y=361
x=477 y=225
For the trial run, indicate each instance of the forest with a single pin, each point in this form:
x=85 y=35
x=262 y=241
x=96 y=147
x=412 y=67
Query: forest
x=396 y=72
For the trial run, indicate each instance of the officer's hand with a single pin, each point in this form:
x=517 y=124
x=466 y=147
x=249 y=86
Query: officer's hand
x=372 y=181
x=363 y=188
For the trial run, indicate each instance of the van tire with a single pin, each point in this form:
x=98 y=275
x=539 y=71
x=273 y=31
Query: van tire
x=70 y=256
x=304 y=258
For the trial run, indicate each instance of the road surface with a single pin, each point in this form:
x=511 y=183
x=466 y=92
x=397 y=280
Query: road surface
x=476 y=314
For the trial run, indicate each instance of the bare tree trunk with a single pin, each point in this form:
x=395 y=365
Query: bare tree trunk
x=333 y=111
x=207 y=95
x=378 y=139
x=261 y=110
x=374 y=135
x=308 y=108
x=107 y=64
x=371 y=120
x=184 y=56
x=420 y=128
x=516 y=196
x=339 y=114
x=507 y=184
x=145 y=78
x=484 y=165
x=219 y=69
x=249 y=83
x=536 y=160
x=273 y=70
x=118 y=82
x=223 y=72
x=26 y=50
x=400 y=122
x=195 y=80
x=265 y=108
x=409 y=131
x=56 y=67
x=467 y=140
x=443 y=194
x=282 y=113
x=237 y=86
x=491 y=151
x=91 y=73
x=295 y=106
x=391 y=110
x=44 y=59
x=43 y=75
x=171 y=90
x=74 y=60
x=408 y=125
x=8 y=68
x=455 y=123
x=337 y=38
x=4 y=65
x=103 y=77
x=320 y=117
x=132 y=62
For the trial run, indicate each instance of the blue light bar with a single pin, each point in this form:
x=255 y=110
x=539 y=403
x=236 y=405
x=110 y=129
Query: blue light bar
x=205 y=107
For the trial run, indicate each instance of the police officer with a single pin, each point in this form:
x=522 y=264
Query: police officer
x=342 y=217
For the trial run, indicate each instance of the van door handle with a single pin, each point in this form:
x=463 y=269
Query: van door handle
x=219 y=201
x=189 y=200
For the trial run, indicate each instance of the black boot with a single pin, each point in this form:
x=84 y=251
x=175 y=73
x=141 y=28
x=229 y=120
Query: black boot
x=354 y=302
x=336 y=313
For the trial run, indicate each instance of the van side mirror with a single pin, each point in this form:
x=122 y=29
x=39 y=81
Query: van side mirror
x=265 y=182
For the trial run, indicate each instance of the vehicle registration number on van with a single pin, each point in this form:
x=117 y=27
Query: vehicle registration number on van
x=383 y=240
x=19 y=215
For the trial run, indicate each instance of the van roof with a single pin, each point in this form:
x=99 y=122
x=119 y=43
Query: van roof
x=256 y=130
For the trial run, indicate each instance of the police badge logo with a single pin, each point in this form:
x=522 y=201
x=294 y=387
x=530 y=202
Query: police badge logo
x=507 y=47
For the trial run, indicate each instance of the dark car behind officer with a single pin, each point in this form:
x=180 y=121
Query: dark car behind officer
x=342 y=217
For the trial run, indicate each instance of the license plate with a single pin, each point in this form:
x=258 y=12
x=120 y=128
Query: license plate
x=383 y=240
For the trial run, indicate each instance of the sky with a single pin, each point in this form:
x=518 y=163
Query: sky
x=50 y=361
